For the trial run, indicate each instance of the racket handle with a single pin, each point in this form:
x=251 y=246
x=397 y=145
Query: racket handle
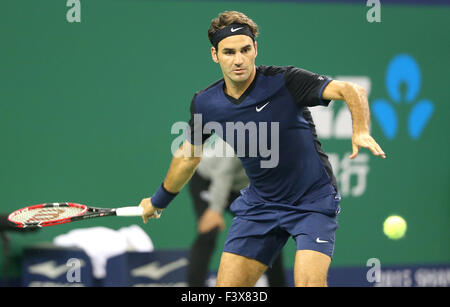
x=133 y=211
x=129 y=211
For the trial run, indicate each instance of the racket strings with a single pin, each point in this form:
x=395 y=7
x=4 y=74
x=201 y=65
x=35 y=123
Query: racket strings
x=45 y=214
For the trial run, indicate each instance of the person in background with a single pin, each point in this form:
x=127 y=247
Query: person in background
x=214 y=186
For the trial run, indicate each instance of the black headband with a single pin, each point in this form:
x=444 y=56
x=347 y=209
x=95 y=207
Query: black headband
x=233 y=29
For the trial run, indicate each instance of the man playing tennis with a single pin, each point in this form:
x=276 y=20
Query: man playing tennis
x=297 y=197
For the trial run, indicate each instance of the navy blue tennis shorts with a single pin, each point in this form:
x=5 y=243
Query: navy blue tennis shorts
x=260 y=231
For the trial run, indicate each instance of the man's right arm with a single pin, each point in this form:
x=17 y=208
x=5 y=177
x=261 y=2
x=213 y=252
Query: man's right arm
x=355 y=97
x=181 y=169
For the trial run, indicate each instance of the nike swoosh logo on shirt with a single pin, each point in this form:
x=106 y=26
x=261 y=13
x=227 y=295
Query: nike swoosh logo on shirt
x=259 y=109
x=234 y=30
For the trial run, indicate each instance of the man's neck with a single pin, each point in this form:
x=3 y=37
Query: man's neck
x=236 y=89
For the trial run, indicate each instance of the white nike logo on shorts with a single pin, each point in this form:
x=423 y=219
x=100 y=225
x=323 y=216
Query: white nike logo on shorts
x=320 y=241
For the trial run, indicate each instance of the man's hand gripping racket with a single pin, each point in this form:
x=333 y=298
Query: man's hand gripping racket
x=149 y=212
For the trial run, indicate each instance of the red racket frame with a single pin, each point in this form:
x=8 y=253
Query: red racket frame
x=49 y=222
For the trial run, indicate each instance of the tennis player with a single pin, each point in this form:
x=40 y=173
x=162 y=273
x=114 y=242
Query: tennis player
x=297 y=197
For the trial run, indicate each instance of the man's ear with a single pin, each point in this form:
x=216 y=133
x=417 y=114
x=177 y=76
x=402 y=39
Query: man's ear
x=214 y=55
x=256 y=49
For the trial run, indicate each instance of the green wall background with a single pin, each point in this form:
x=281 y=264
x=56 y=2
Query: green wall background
x=86 y=110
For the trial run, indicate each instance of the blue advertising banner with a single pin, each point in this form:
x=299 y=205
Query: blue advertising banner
x=51 y=266
x=162 y=268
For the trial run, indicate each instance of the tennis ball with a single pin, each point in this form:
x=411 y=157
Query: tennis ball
x=394 y=227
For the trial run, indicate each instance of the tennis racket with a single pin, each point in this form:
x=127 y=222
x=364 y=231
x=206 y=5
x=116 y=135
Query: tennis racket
x=51 y=214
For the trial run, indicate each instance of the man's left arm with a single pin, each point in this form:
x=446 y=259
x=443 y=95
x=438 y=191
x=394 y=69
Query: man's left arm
x=355 y=97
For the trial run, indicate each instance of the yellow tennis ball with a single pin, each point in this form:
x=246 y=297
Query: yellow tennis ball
x=394 y=227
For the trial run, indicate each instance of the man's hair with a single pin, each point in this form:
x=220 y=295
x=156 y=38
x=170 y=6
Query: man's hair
x=229 y=17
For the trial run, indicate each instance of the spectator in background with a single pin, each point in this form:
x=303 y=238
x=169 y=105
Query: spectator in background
x=214 y=186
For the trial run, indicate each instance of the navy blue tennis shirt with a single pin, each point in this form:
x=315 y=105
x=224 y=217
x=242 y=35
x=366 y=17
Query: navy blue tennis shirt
x=279 y=98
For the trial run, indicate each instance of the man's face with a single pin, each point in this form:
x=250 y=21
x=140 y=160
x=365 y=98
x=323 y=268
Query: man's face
x=236 y=56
